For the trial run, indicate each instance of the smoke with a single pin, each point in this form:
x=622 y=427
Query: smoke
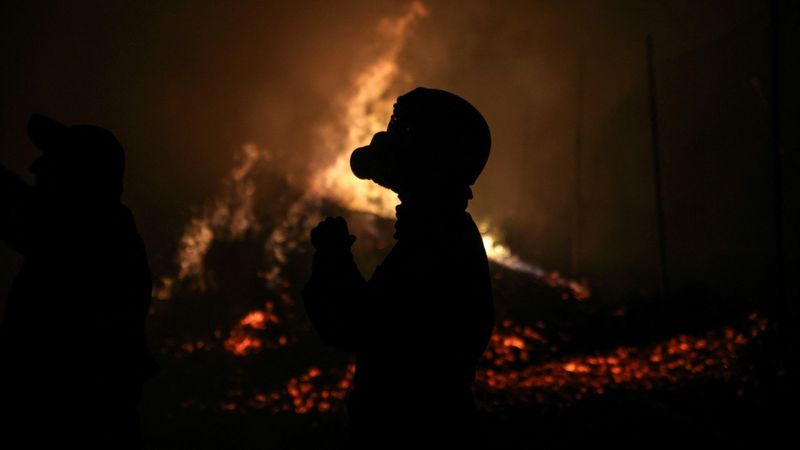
x=184 y=85
x=365 y=104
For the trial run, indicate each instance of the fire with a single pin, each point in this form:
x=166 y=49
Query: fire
x=240 y=343
x=242 y=340
x=367 y=111
x=503 y=256
x=229 y=215
x=255 y=320
x=259 y=319
x=521 y=364
x=674 y=361
x=508 y=377
x=312 y=391
x=307 y=394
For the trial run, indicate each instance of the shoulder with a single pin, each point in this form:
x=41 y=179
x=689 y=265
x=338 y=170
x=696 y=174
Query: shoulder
x=473 y=240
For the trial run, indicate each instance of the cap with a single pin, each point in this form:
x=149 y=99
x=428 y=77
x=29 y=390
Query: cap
x=92 y=153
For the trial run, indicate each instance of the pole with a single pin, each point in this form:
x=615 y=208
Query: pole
x=576 y=240
x=776 y=149
x=662 y=246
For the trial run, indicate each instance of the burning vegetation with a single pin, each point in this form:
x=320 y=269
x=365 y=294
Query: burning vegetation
x=258 y=331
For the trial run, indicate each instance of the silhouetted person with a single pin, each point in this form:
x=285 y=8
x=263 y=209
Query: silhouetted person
x=73 y=355
x=420 y=324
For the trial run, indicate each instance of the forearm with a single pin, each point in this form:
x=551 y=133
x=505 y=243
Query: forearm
x=333 y=296
x=14 y=194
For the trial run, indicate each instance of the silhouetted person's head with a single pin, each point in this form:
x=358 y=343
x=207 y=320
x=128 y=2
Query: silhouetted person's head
x=79 y=163
x=435 y=146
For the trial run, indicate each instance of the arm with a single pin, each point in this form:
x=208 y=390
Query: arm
x=335 y=291
x=13 y=192
x=458 y=296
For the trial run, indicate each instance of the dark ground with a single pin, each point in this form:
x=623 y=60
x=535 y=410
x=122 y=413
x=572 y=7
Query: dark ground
x=199 y=399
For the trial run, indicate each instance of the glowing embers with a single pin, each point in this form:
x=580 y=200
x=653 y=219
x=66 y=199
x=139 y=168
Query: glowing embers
x=667 y=364
x=243 y=339
x=511 y=343
x=314 y=390
x=521 y=366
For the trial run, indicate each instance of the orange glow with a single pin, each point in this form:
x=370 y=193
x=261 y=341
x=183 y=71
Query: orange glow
x=241 y=344
x=508 y=375
x=242 y=341
x=255 y=320
x=307 y=393
x=367 y=111
x=507 y=369
x=672 y=362
x=258 y=319
x=230 y=215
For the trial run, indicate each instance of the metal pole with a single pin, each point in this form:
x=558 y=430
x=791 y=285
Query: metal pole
x=662 y=246
x=576 y=239
x=776 y=148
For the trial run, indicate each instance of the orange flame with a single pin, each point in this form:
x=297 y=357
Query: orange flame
x=229 y=215
x=242 y=341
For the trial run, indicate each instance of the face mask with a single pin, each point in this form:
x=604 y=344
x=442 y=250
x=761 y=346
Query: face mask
x=376 y=162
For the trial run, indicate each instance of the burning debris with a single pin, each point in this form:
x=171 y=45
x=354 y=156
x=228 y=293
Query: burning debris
x=243 y=341
x=523 y=363
x=367 y=109
x=509 y=374
x=673 y=362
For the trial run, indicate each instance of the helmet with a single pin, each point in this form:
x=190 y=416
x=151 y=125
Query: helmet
x=432 y=133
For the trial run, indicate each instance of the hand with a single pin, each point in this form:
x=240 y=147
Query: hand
x=5 y=177
x=332 y=234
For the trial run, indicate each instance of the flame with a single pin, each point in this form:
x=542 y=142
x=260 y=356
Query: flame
x=240 y=343
x=506 y=370
x=243 y=341
x=366 y=113
x=502 y=255
x=230 y=215
x=255 y=319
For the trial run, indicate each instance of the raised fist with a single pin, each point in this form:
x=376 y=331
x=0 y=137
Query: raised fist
x=332 y=234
